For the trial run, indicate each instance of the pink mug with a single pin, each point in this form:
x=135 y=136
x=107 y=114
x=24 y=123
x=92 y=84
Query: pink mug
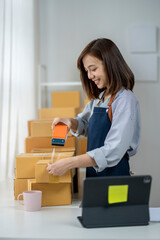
x=31 y=200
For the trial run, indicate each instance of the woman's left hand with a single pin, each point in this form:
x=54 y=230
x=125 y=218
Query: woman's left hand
x=63 y=165
x=59 y=167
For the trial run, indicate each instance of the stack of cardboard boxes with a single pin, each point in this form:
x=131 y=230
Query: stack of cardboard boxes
x=64 y=104
x=31 y=174
x=31 y=166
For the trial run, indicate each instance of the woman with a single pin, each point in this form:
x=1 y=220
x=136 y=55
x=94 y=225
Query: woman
x=111 y=120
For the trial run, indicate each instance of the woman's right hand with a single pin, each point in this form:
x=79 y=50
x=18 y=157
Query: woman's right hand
x=70 y=122
x=65 y=121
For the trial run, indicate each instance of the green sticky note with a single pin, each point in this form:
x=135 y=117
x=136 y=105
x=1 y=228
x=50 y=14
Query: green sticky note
x=117 y=193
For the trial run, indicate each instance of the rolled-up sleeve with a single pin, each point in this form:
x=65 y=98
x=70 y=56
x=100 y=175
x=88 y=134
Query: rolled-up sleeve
x=123 y=136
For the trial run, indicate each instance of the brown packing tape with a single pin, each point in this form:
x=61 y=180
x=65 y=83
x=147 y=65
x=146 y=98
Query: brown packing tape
x=54 y=179
x=47 y=155
x=29 y=183
x=29 y=128
x=49 y=150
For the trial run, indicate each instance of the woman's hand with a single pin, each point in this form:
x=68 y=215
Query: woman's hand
x=63 y=165
x=60 y=167
x=70 y=122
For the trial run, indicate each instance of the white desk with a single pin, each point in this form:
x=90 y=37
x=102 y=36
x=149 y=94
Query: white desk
x=60 y=223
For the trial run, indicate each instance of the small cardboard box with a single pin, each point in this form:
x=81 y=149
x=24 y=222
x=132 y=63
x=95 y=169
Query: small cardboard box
x=53 y=194
x=42 y=175
x=25 y=164
x=66 y=99
x=20 y=185
x=41 y=128
x=51 y=113
x=45 y=142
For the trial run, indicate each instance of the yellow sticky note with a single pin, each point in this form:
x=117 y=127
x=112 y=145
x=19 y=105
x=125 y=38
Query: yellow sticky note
x=117 y=193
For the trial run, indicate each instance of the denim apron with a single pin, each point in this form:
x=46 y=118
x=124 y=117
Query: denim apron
x=98 y=128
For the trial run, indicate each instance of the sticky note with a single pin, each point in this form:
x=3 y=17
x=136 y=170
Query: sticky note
x=117 y=193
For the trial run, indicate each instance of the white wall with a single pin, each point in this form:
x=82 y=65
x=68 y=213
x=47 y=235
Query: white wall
x=66 y=26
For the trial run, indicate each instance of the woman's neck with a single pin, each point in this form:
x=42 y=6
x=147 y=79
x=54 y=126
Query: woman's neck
x=106 y=97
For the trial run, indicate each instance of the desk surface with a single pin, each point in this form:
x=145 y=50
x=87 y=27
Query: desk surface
x=61 y=223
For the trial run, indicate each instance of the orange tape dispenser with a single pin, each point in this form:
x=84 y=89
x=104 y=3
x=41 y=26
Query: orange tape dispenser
x=59 y=135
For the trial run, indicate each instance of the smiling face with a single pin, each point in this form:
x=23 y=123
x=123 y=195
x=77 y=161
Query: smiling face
x=95 y=70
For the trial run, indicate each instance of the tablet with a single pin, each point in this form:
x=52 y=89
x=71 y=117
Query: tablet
x=115 y=201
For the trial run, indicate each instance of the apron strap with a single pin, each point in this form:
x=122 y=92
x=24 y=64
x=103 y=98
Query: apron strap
x=110 y=107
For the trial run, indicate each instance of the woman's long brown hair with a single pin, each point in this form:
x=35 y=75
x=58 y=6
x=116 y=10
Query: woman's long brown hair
x=119 y=73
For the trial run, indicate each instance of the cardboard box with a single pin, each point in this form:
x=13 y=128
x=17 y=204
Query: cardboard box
x=53 y=194
x=45 y=142
x=51 y=113
x=81 y=145
x=66 y=99
x=42 y=175
x=20 y=185
x=25 y=164
x=41 y=128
